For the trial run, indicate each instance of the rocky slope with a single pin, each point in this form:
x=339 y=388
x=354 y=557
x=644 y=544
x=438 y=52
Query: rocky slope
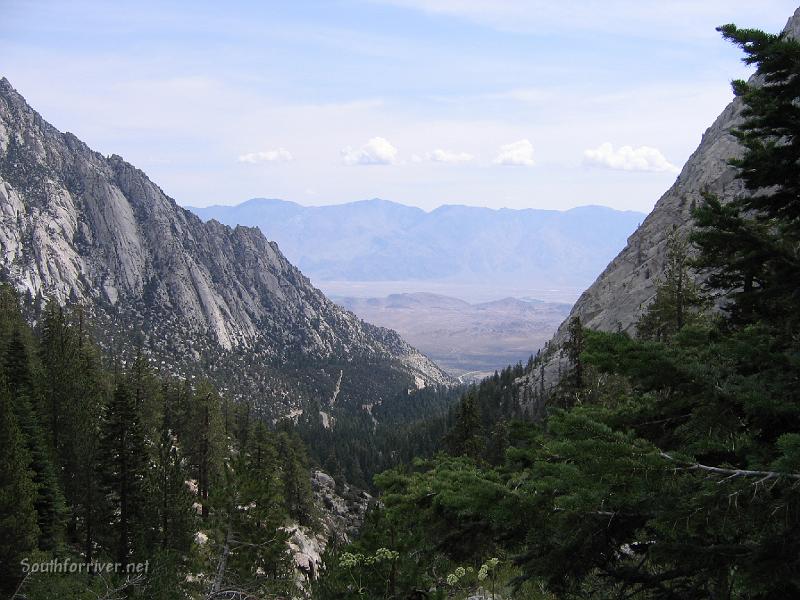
x=342 y=513
x=617 y=297
x=201 y=297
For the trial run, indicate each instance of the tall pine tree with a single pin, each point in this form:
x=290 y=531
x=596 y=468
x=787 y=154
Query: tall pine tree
x=124 y=473
x=18 y=529
x=49 y=502
x=678 y=299
x=750 y=247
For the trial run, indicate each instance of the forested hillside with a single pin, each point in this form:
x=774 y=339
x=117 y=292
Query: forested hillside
x=201 y=302
x=108 y=462
x=667 y=463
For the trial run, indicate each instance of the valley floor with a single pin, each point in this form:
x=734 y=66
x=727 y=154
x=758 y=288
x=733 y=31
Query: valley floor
x=469 y=341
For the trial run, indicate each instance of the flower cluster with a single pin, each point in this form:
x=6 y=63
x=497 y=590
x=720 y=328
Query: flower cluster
x=386 y=554
x=454 y=577
x=349 y=560
x=489 y=565
x=485 y=572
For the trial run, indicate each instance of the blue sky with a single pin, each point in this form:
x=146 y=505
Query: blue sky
x=426 y=102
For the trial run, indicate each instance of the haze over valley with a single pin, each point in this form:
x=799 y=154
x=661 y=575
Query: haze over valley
x=474 y=288
x=474 y=253
x=469 y=341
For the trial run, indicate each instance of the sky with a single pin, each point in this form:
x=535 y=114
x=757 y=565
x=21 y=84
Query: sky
x=498 y=103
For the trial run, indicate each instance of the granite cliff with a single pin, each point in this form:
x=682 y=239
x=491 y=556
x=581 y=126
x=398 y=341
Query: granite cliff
x=623 y=290
x=199 y=298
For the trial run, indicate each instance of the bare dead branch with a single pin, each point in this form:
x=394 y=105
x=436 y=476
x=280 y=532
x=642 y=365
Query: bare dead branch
x=731 y=473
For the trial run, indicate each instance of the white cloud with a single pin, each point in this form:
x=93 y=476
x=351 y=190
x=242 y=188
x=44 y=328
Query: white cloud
x=446 y=156
x=377 y=151
x=279 y=155
x=627 y=158
x=517 y=154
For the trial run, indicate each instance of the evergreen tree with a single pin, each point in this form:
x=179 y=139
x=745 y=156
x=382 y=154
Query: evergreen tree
x=58 y=355
x=295 y=477
x=124 y=458
x=49 y=502
x=147 y=392
x=18 y=529
x=124 y=472
x=571 y=386
x=170 y=516
x=498 y=443
x=465 y=438
x=749 y=247
x=204 y=439
x=678 y=299
x=75 y=394
x=260 y=554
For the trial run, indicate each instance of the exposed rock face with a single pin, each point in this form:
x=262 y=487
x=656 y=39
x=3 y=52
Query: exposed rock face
x=343 y=509
x=342 y=514
x=77 y=225
x=616 y=299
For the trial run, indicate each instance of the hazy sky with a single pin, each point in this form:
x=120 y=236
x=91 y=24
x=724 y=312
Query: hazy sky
x=510 y=103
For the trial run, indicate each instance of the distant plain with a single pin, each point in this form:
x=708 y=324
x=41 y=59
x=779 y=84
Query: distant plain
x=470 y=341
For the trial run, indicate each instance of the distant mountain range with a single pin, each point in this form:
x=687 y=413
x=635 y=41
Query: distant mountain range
x=378 y=240
x=470 y=341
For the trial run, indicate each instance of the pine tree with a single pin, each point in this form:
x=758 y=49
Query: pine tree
x=18 y=529
x=74 y=394
x=749 y=247
x=146 y=391
x=465 y=438
x=124 y=472
x=49 y=502
x=498 y=443
x=258 y=514
x=333 y=467
x=203 y=439
x=678 y=299
x=57 y=353
x=573 y=347
x=169 y=516
x=295 y=477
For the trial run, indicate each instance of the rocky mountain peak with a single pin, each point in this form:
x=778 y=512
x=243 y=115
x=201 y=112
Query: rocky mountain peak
x=77 y=225
x=628 y=283
x=618 y=296
x=792 y=27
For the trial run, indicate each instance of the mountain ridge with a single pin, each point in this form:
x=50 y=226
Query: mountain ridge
x=76 y=225
x=377 y=201
x=380 y=240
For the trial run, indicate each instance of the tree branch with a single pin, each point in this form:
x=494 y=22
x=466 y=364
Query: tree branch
x=732 y=473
